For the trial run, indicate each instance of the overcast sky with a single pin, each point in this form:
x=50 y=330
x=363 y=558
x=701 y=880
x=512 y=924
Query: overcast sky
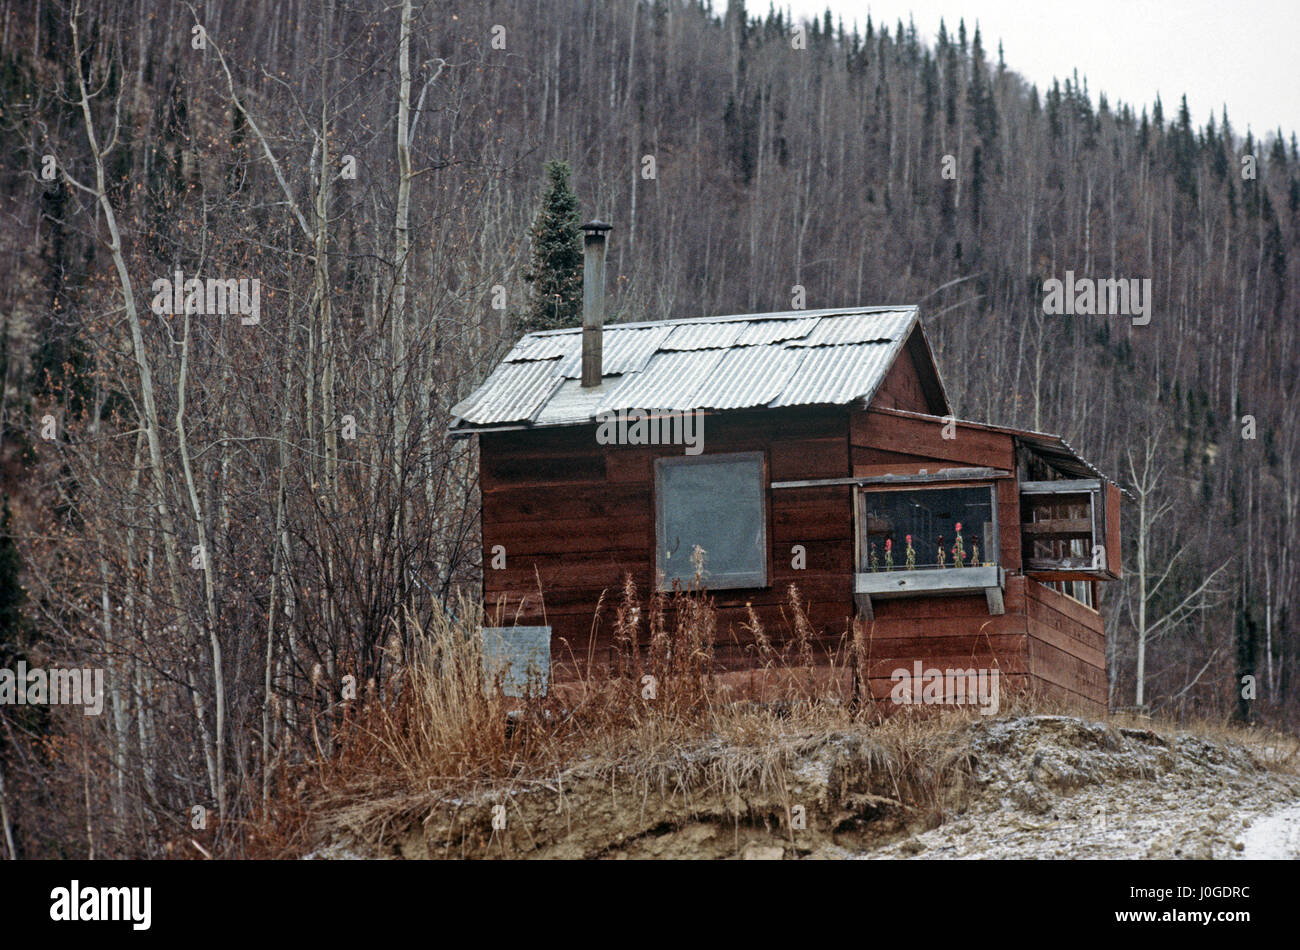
x=1242 y=53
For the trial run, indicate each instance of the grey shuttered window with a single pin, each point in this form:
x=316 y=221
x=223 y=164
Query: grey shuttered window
x=718 y=503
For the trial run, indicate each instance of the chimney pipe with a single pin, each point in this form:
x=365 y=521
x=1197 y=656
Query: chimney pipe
x=593 y=300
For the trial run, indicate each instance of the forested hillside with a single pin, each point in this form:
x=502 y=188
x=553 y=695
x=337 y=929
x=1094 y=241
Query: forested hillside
x=237 y=516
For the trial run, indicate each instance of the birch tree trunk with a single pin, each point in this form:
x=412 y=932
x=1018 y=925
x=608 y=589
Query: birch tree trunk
x=144 y=374
x=4 y=818
x=401 y=237
x=205 y=565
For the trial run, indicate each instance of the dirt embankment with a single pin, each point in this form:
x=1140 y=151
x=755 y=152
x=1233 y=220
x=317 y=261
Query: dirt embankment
x=1029 y=786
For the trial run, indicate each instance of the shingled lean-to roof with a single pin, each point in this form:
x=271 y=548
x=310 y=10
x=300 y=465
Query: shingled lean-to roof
x=774 y=360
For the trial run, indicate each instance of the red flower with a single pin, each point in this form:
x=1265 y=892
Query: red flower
x=889 y=544
x=958 y=525
x=909 y=539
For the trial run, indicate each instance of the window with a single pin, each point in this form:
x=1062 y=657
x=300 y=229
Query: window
x=930 y=518
x=907 y=541
x=718 y=503
x=1070 y=530
x=1075 y=590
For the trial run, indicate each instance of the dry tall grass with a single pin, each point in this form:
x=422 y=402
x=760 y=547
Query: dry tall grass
x=446 y=724
x=449 y=719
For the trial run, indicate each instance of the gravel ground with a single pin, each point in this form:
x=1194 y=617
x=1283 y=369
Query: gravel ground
x=1030 y=787
x=1058 y=787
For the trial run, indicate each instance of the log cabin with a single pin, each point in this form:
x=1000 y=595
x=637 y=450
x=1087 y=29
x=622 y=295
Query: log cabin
x=814 y=448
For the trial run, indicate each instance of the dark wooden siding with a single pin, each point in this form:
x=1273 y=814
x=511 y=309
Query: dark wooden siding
x=575 y=518
x=882 y=437
x=902 y=388
x=1113 y=507
x=949 y=633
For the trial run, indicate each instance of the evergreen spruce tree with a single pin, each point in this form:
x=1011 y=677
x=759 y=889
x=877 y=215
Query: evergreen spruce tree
x=1277 y=154
x=930 y=93
x=556 y=270
x=12 y=594
x=979 y=98
x=949 y=81
x=33 y=720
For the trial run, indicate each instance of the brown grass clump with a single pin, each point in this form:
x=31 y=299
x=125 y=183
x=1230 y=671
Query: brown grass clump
x=445 y=725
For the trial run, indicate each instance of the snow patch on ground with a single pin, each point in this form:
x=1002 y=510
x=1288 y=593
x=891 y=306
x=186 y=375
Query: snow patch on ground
x=1060 y=787
x=1274 y=836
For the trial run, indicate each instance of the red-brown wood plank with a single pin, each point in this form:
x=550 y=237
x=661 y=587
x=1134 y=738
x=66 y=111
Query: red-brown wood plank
x=1080 y=614
x=1057 y=666
x=809 y=458
x=1008 y=497
x=922 y=437
x=902 y=388
x=1113 y=552
x=1054 y=637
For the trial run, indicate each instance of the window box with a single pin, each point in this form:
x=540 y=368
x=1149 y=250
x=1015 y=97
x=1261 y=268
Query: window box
x=929 y=519
x=934 y=582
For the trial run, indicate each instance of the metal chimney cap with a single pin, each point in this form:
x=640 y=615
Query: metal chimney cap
x=596 y=226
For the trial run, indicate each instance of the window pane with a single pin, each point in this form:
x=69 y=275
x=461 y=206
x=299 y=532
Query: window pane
x=931 y=517
x=718 y=504
x=1071 y=538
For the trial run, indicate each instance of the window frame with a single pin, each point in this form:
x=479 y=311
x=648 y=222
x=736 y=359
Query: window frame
x=747 y=581
x=1103 y=514
x=927 y=581
x=898 y=486
x=1067 y=589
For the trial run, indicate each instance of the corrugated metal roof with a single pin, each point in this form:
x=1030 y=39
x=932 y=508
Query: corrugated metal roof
x=776 y=360
x=762 y=332
x=571 y=403
x=800 y=358
x=541 y=348
x=703 y=336
x=835 y=375
x=513 y=393
x=748 y=376
x=834 y=331
x=669 y=381
x=792 y=358
x=623 y=350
